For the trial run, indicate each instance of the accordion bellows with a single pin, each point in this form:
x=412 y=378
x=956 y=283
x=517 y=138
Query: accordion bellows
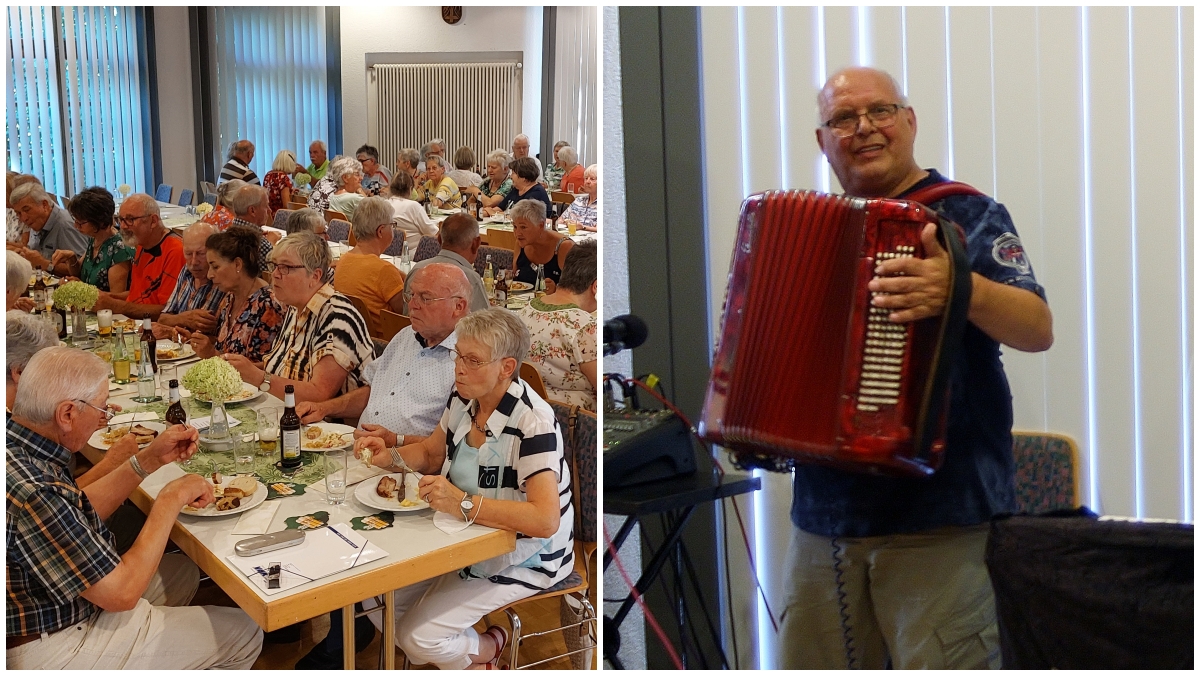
x=807 y=370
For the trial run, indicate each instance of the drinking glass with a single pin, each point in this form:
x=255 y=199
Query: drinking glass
x=268 y=430
x=336 y=467
x=104 y=322
x=244 y=455
x=133 y=346
x=166 y=373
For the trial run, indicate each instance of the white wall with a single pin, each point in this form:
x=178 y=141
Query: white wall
x=378 y=28
x=172 y=49
x=1080 y=122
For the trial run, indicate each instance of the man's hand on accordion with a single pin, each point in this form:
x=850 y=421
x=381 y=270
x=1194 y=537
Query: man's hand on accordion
x=914 y=288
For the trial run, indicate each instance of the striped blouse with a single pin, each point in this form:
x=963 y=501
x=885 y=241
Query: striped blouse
x=524 y=440
x=328 y=325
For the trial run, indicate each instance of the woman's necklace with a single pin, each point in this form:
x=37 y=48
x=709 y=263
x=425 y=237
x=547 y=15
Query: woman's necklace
x=475 y=422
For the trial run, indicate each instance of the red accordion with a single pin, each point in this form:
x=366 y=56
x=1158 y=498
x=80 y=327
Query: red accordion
x=807 y=370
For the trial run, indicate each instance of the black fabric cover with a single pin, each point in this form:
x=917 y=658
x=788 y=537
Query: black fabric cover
x=1073 y=592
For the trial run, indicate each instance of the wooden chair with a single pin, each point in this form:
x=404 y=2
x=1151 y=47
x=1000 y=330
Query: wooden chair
x=533 y=377
x=580 y=447
x=502 y=259
x=428 y=247
x=560 y=201
x=1047 y=472
x=334 y=216
x=391 y=323
x=361 y=306
x=502 y=239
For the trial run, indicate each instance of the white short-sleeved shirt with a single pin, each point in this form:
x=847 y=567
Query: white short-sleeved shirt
x=409 y=384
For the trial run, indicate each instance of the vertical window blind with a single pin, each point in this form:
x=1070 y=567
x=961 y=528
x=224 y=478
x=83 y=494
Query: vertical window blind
x=270 y=81
x=1079 y=120
x=576 y=77
x=77 y=101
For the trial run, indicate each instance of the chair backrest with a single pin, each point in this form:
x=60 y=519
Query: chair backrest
x=281 y=218
x=396 y=247
x=391 y=323
x=361 y=306
x=584 y=467
x=502 y=259
x=57 y=199
x=185 y=197
x=380 y=346
x=208 y=187
x=562 y=198
x=164 y=192
x=65 y=201
x=334 y=215
x=531 y=375
x=210 y=198
x=338 y=230
x=428 y=247
x=502 y=239
x=1047 y=472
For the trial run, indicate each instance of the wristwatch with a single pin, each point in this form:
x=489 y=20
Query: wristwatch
x=466 y=506
x=266 y=383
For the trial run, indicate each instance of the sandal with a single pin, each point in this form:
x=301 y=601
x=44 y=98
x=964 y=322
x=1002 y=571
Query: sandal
x=500 y=635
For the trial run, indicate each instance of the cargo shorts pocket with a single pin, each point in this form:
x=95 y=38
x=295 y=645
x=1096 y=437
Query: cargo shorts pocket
x=971 y=640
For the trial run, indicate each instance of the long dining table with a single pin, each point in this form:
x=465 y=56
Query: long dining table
x=416 y=550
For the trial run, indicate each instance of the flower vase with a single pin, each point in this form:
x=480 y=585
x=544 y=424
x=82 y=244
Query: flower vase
x=79 y=332
x=217 y=437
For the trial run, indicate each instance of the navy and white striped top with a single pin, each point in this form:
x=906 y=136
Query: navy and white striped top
x=328 y=325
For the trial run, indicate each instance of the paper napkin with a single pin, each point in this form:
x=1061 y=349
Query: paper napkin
x=258 y=520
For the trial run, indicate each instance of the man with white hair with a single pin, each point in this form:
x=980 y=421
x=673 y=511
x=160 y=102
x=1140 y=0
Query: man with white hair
x=73 y=601
x=52 y=227
x=193 y=303
x=435 y=146
x=156 y=265
x=520 y=148
x=25 y=336
x=252 y=208
x=241 y=154
x=403 y=398
x=16 y=282
x=318 y=152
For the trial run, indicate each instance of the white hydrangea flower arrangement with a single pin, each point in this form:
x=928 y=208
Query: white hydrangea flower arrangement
x=76 y=296
x=203 y=208
x=302 y=180
x=213 y=379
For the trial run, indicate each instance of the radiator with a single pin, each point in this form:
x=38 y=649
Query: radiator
x=477 y=105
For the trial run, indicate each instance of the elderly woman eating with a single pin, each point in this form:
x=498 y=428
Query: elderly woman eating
x=582 y=211
x=540 y=246
x=222 y=214
x=410 y=218
x=347 y=175
x=361 y=272
x=493 y=426
x=248 y=316
x=562 y=328
x=441 y=190
x=16 y=283
x=525 y=186
x=323 y=344
x=107 y=261
x=497 y=184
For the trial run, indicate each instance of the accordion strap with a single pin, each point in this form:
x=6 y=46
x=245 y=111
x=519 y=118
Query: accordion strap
x=952 y=322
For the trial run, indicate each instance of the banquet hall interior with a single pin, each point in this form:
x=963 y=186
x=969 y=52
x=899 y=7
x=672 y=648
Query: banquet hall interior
x=302 y=244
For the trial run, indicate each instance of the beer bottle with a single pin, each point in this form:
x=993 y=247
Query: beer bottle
x=289 y=429
x=39 y=291
x=489 y=277
x=501 y=289
x=175 y=413
x=149 y=340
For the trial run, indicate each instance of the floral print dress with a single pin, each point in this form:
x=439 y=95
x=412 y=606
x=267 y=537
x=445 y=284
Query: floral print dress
x=100 y=258
x=252 y=333
x=563 y=337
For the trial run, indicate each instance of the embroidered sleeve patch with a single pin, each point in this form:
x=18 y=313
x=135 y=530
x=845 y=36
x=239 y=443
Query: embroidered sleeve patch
x=1007 y=251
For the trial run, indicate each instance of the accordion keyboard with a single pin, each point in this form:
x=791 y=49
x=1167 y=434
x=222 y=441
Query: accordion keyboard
x=883 y=351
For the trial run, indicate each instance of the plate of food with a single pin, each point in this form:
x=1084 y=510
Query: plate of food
x=169 y=350
x=391 y=492
x=234 y=495
x=144 y=431
x=124 y=324
x=248 y=392
x=519 y=287
x=325 y=436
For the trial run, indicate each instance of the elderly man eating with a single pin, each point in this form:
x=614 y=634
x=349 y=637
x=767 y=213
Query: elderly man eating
x=156 y=265
x=73 y=601
x=460 y=246
x=318 y=152
x=52 y=227
x=252 y=208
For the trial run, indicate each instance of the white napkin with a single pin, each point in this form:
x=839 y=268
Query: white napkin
x=133 y=417
x=448 y=524
x=258 y=520
x=205 y=421
x=357 y=473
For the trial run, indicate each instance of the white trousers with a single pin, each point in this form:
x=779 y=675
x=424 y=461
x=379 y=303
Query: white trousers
x=161 y=632
x=435 y=619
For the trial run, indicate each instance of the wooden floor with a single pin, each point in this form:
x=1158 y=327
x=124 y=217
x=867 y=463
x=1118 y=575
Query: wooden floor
x=537 y=615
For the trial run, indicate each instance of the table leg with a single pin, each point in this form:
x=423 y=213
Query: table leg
x=349 y=650
x=389 y=631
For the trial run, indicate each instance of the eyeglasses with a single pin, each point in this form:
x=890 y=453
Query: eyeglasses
x=108 y=415
x=130 y=220
x=470 y=362
x=424 y=298
x=285 y=269
x=881 y=116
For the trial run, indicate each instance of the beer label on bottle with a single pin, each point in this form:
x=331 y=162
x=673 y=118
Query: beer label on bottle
x=291 y=444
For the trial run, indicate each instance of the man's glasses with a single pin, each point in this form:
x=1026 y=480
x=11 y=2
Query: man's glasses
x=472 y=363
x=425 y=298
x=130 y=220
x=881 y=116
x=108 y=415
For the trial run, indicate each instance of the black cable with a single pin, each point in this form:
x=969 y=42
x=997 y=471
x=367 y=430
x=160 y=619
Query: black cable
x=737 y=662
x=843 y=608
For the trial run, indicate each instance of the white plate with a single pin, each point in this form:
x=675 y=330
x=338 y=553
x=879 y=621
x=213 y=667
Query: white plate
x=186 y=352
x=97 y=440
x=367 y=496
x=519 y=287
x=253 y=391
x=326 y=428
x=260 y=496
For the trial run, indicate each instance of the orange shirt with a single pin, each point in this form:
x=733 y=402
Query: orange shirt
x=155 y=271
x=369 y=278
x=572 y=182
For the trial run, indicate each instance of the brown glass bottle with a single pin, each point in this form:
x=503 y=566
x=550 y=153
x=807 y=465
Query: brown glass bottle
x=289 y=431
x=175 y=413
x=151 y=341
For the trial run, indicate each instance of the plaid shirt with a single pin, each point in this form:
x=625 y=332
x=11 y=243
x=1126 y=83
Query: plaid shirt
x=264 y=245
x=58 y=546
x=187 y=297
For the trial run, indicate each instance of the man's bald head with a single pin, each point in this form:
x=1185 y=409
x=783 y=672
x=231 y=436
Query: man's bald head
x=440 y=297
x=195 y=249
x=844 y=76
x=460 y=234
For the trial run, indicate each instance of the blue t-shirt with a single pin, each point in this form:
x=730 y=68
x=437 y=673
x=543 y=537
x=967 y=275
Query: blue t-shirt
x=537 y=192
x=975 y=481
